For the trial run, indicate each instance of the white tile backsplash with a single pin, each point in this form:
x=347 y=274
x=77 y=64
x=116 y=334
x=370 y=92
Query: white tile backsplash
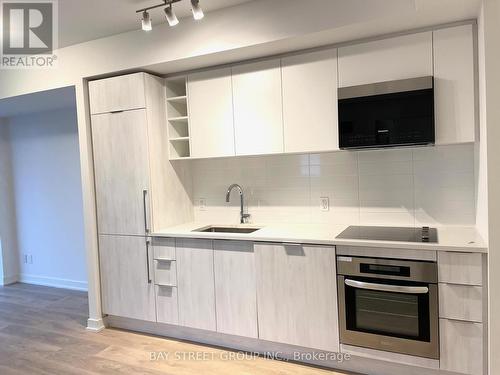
x=411 y=186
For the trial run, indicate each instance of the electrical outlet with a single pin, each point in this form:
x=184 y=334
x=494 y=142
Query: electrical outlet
x=25 y=258
x=30 y=259
x=203 y=204
x=324 y=204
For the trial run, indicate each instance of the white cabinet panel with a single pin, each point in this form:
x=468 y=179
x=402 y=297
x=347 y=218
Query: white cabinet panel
x=310 y=102
x=461 y=302
x=125 y=287
x=195 y=283
x=117 y=93
x=235 y=289
x=460 y=268
x=297 y=295
x=121 y=167
x=258 y=121
x=166 y=304
x=163 y=248
x=211 y=113
x=454 y=87
x=407 y=56
x=165 y=273
x=461 y=346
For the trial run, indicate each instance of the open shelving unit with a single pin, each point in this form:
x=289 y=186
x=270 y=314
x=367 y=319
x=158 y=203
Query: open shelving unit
x=178 y=118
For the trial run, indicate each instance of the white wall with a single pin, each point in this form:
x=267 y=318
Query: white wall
x=48 y=197
x=420 y=186
x=8 y=239
x=489 y=26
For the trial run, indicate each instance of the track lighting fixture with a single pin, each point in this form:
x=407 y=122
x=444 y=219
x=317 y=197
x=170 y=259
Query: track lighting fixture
x=196 y=9
x=146 y=21
x=169 y=13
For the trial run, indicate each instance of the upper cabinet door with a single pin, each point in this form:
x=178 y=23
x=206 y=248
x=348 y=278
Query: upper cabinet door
x=211 y=113
x=121 y=166
x=454 y=86
x=117 y=93
x=310 y=102
x=407 y=56
x=258 y=120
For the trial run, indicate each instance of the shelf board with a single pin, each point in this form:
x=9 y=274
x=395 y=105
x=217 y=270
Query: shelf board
x=178 y=119
x=180 y=158
x=177 y=98
x=179 y=139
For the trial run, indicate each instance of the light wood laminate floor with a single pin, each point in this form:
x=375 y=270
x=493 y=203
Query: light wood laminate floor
x=42 y=331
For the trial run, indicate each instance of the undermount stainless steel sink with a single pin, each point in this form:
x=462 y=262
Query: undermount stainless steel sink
x=220 y=229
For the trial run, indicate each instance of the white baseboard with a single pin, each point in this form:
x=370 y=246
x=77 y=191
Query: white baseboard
x=54 y=282
x=10 y=279
x=95 y=325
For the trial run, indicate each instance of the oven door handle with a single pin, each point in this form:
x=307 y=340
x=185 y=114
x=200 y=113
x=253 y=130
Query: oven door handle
x=387 y=287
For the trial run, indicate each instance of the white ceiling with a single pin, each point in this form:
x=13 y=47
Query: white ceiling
x=84 y=20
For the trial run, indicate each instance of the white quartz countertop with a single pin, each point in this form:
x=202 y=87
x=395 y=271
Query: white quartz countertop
x=464 y=239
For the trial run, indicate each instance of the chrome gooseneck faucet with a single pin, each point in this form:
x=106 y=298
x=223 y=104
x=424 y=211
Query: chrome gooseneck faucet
x=243 y=216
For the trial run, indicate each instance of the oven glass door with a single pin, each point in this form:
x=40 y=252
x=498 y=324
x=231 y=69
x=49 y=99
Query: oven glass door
x=397 y=314
x=389 y=315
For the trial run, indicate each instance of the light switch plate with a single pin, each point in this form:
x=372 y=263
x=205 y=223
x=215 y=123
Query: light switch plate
x=203 y=204
x=324 y=204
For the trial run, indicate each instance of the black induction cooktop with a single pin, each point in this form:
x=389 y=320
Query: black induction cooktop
x=399 y=234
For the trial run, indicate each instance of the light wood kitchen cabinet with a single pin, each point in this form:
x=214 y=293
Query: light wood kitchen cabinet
x=163 y=248
x=461 y=348
x=134 y=181
x=235 y=288
x=120 y=93
x=460 y=268
x=310 y=117
x=454 y=87
x=461 y=302
x=165 y=272
x=165 y=279
x=211 y=113
x=121 y=168
x=167 y=310
x=126 y=282
x=401 y=57
x=297 y=295
x=195 y=283
x=257 y=101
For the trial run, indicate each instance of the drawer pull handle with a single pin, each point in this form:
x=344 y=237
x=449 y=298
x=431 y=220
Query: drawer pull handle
x=147 y=261
x=144 y=203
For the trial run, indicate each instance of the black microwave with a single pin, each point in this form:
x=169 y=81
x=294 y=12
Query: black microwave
x=387 y=114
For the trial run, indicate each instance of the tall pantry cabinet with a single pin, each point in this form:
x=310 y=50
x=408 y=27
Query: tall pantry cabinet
x=133 y=179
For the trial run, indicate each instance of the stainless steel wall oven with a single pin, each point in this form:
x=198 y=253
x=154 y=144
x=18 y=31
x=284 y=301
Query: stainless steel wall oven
x=389 y=304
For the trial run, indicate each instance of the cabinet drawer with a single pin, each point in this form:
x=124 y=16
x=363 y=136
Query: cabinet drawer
x=166 y=304
x=460 y=268
x=117 y=93
x=461 y=302
x=165 y=273
x=461 y=347
x=164 y=248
